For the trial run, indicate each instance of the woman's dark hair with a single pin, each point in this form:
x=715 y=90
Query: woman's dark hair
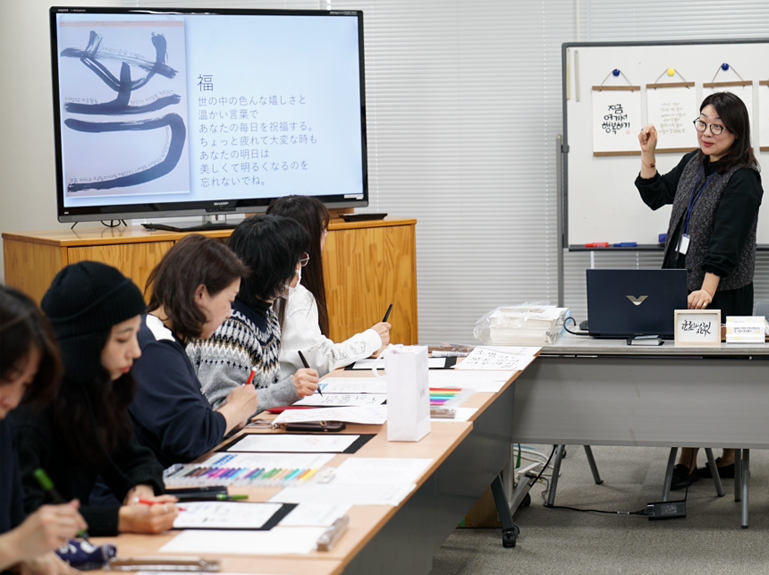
x=314 y=217
x=23 y=327
x=734 y=115
x=101 y=404
x=271 y=246
x=193 y=261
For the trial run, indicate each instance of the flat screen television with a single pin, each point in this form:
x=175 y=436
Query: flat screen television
x=199 y=112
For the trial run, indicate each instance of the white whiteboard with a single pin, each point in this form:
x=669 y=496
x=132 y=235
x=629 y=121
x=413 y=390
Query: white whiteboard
x=601 y=202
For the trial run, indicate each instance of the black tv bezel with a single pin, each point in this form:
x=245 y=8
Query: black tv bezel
x=192 y=209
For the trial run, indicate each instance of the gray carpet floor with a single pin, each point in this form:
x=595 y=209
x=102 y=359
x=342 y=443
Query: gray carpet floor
x=708 y=541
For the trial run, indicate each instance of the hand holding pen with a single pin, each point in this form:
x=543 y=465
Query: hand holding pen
x=306 y=380
x=66 y=516
x=383 y=329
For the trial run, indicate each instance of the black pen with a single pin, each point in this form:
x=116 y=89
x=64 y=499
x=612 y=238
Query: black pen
x=389 y=309
x=307 y=365
x=47 y=484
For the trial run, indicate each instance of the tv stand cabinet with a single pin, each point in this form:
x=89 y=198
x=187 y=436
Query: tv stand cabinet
x=367 y=266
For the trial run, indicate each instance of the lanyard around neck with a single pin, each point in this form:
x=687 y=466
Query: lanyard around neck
x=693 y=199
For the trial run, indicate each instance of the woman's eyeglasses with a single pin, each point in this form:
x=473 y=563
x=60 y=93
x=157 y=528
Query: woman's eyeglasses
x=715 y=129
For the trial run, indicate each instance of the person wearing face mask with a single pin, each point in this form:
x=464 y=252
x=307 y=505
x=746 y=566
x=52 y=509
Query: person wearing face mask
x=304 y=315
x=86 y=432
x=716 y=192
x=274 y=248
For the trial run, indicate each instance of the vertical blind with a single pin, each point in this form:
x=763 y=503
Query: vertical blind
x=463 y=110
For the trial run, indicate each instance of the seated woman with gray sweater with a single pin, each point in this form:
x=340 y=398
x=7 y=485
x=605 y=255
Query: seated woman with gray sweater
x=273 y=248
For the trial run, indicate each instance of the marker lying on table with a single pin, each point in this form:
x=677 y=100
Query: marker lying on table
x=148 y=502
x=47 y=485
x=389 y=309
x=307 y=365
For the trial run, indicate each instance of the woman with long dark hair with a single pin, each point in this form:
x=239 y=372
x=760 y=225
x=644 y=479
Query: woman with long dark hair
x=30 y=370
x=250 y=340
x=193 y=288
x=303 y=315
x=716 y=192
x=86 y=432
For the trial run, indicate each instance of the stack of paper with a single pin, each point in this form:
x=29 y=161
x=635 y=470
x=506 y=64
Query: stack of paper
x=524 y=324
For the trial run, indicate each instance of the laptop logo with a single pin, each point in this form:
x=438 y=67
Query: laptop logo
x=637 y=300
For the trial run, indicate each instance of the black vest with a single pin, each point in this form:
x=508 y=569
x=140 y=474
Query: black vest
x=701 y=226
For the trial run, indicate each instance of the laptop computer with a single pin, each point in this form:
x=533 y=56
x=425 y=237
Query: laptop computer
x=631 y=303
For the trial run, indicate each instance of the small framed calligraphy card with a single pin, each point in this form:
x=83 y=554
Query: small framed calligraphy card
x=698 y=326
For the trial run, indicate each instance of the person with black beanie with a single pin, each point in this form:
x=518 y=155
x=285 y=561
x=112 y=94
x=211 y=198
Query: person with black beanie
x=86 y=432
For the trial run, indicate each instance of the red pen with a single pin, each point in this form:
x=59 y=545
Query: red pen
x=253 y=372
x=597 y=245
x=147 y=502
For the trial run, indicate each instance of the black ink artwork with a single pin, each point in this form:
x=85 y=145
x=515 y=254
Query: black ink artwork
x=91 y=57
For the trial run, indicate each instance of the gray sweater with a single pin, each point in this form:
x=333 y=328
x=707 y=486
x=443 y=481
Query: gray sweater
x=249 y=338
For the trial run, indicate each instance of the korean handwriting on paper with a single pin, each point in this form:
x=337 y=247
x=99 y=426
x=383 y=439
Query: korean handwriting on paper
x=615 y=119
x=700 y=328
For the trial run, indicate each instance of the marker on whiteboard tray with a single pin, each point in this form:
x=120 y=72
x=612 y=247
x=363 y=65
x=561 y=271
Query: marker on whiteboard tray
x=598 y=245
x=626 y=245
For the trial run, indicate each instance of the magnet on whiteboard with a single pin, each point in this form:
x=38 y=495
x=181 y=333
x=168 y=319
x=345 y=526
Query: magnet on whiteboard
x=671 y=71
x=724 y=66
x=615 y=72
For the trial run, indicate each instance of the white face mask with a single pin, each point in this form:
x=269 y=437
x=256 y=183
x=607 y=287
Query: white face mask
x=289 y=290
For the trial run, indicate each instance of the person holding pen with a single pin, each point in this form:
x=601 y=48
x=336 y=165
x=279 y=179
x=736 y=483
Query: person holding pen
x=716 y=193
x=303 y=315
x=193 y=288
x=86 y=433
x=30 y=370
x=247 y=345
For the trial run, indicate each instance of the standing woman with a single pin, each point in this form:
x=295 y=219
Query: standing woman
x=86 y=432
x=716 y=192
x=273 y=248
x=303 y=316
x=30 y=369
x=193 y=288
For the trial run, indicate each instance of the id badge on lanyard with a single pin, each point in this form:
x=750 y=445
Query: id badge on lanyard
x=683 y=241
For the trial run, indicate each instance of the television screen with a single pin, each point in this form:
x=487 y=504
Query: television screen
x=161 y=113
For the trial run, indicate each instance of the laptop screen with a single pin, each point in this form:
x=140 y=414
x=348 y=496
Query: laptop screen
x=625 y=303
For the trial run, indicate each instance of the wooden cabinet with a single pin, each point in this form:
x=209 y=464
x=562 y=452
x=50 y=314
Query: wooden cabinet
x=367 y=266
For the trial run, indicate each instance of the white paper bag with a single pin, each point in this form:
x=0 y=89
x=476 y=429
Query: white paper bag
x=408 y=392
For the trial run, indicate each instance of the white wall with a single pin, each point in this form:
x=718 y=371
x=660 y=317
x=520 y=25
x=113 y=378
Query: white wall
x=27 y=172
x=464 y=104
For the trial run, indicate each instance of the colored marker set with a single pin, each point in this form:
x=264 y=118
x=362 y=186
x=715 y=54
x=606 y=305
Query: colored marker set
x=250 y=470
x=204 y=475
x=448 y=396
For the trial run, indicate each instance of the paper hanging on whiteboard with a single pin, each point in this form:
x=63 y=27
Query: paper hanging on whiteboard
x=616 y=121
x=763 y=115
x=743 y=90
x=672 y=111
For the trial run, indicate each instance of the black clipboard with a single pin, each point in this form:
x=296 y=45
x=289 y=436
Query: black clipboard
x=276 y=518
x=362 y=440
x=450 y=362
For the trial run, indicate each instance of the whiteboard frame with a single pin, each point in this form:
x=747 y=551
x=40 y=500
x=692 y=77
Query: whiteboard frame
x=568 y=86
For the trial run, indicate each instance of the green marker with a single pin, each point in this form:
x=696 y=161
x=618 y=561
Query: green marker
x=47 y=484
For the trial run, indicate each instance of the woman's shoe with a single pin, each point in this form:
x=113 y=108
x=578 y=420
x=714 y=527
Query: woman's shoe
x=725 y=472
x=682 y=478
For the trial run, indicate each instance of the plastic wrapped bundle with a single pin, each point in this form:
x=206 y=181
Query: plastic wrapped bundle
x=524 y=324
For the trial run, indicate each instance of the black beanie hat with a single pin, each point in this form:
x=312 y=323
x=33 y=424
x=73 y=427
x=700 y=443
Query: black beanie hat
x=83 y=303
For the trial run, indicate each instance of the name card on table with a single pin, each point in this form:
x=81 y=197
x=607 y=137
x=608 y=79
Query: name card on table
x=745 y=329
x=698 y=326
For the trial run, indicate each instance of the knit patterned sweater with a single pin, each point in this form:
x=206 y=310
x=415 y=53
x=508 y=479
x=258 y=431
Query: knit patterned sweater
x=249 y=338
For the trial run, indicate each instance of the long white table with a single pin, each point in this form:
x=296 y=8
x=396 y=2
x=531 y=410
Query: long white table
x=584 y=391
